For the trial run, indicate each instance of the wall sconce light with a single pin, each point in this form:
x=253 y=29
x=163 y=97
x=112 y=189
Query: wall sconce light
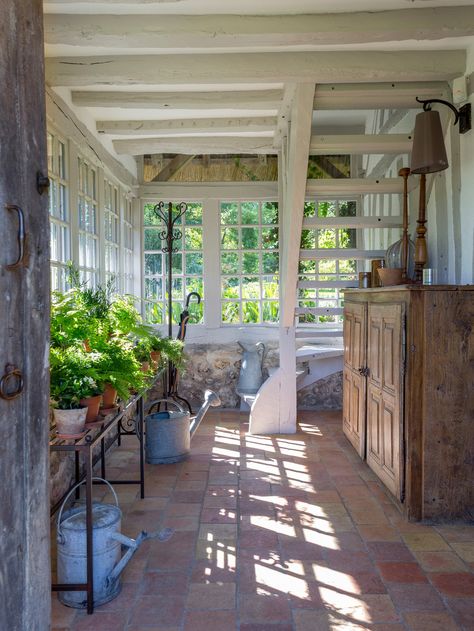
x=429 y=153
x=429 y=156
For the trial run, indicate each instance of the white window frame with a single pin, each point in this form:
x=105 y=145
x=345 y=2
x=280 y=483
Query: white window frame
x=59 y=178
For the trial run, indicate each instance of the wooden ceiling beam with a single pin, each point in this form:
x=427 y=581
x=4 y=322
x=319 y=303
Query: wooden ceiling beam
x=172 y=168
x=236 y=100
x=239 y=31
x=231 y=68
x=196 y=145
x=360 y=144
x=370 y=96
x=185 y=127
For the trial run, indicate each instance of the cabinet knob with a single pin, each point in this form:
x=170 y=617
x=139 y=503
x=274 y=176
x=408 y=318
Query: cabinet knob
x=364 y=371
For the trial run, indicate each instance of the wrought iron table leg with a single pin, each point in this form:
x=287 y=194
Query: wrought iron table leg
x=140 y=432
x=77 y=473
x=89 y=539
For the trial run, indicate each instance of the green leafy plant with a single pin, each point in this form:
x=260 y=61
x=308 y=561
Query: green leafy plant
x=73 y=376
x=120 y=368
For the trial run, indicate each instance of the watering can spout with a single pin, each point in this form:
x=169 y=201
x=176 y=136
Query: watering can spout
x=210 y=400
x=132 y=545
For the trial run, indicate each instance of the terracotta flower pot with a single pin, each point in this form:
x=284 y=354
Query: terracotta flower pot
x=155 y=357
x=92 y=404
x=109 y=396
x=70 y=422
x=145 y=367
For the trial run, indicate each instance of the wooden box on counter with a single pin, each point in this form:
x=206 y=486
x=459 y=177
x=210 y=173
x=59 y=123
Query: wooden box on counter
x=409 y=393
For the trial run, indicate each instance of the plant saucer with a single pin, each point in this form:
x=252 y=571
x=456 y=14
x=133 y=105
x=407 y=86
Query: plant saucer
x=68 y=436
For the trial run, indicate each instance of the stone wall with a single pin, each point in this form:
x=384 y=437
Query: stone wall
x=217 y=366
x=325 y=394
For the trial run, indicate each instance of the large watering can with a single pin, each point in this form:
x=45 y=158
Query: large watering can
x=108 y=561
x=168 y=433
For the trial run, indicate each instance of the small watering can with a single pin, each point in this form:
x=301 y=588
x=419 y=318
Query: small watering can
x=168 y=434
x=108 y=561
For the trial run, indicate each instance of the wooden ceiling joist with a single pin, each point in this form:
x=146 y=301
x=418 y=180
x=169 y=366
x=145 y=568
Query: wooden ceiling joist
x=360 y=144
x=356 y=186
x=369 y=96
x=215 y=100
x=195 y=145
x=173 y=168
x=187 y=126
x=231 y=68
x=239 y=31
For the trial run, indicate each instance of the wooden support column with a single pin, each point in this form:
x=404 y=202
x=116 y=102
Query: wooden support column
x=294 y=173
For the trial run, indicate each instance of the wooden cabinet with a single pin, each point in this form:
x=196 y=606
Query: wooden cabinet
x=409 y=393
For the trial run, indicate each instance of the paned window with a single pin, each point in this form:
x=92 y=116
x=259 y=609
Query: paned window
x=88 y=223
x=111 y=231
x=58 y=212
x=186 y=264
x=249 y=262
x=322 y=278
x=128 y=264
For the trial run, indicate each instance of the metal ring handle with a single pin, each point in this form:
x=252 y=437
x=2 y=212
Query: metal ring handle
x=59 y=533
x=11 y=373
x=21 y=236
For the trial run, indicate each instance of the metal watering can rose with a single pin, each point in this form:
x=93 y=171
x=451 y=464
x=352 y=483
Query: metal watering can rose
x=108 y=562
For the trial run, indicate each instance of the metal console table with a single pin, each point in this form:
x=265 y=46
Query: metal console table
x=123 y=426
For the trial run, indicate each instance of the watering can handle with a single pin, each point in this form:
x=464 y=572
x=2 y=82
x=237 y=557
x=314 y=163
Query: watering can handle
x=168 y=401
x=59 y=533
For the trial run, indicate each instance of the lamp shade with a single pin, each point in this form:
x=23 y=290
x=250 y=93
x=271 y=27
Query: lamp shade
x=428 y=153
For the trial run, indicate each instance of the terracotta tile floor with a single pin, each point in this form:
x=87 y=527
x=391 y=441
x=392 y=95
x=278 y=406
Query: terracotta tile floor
x=276 y=534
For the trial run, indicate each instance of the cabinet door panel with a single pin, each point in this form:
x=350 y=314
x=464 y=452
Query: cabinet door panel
x=354 y=410
x=355 y=319
x=374 y=427
x=384 y=393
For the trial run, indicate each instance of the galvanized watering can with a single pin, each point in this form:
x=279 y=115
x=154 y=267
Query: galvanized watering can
x=107 y=550
x=168 y=434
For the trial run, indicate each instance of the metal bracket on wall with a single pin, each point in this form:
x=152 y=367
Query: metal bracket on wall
x=11 y=384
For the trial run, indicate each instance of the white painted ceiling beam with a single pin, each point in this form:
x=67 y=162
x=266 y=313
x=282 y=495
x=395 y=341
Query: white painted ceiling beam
x=196 y=145
x=232 y=68
x=353 y=222
x=360 y=144
x=356 y=186
x=239 y=31
x=245 y=99
x=187 y=126
x=354 y=96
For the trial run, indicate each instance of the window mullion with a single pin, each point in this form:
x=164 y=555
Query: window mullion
x=211 y=263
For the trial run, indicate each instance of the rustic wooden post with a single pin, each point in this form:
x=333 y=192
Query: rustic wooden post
x=24 y=323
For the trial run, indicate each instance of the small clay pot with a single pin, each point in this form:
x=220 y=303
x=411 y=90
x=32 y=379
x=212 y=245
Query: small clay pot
x=145 y=367
x=109 y=396
x=92 y=404
x=70 y=422
x=155 y=357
